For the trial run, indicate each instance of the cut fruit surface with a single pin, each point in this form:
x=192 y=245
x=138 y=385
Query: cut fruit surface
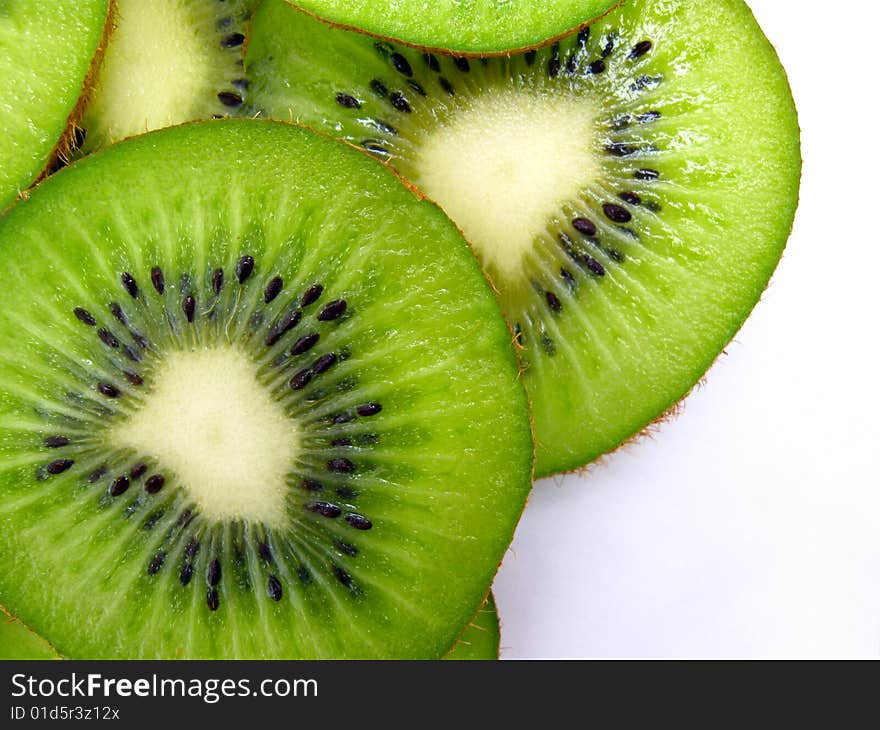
x=167 y=62
x=17 y=641
x=46 y=51
x=472 y=26
x=481 y=641
x=629 y=190
x=257 y=401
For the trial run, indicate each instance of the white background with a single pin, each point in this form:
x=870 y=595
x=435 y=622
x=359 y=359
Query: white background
x=749 y=526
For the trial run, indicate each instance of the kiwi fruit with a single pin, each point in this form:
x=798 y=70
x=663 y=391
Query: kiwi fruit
x=256 y=401
x=167 y=62
x=47 y=49
x=629 y=188
x=481 y=641
x=17 y=641
x=470 y=27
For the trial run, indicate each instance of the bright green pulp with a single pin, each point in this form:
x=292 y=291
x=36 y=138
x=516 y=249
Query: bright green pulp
x=481 y=640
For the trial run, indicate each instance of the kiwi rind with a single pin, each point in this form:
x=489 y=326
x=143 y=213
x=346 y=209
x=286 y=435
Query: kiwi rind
x=47 y=56
x=466 y=29
x=634 y=363
x=18 y=642
x=481 y=640
x=155 y=160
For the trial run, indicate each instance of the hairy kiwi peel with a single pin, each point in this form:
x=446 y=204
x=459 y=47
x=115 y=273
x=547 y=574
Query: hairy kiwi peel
x=108 y=542
x=481 y=640
x=662 y=255
x=472 y=30
x=48 y=49
x=17 y=641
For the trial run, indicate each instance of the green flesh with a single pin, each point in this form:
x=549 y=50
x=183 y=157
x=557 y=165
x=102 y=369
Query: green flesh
x=46 y=50
x=167 y=62
x=482 y=638
x=389 y=560
x=17 y=641
x=471 y=26
x=702 y=158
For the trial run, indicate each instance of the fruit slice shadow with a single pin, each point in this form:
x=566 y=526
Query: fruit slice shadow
x=628 y=189
x=257 y=401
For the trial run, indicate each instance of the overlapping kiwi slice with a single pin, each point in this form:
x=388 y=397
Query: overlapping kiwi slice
x=629 y=189
x=481 y=640
x=256 y=400
x=463 y=26
x=17 y=641
x=46 y=52
x=167 y=62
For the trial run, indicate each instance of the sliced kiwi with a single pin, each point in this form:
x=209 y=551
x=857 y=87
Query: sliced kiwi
x=17 y=641
x=629 y=189
x=472 y=26
x=46 y=52
x=167 y=62
x=482 y=638
x=256 y=400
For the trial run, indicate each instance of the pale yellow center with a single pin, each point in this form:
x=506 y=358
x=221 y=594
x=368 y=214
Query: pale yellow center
x=503 y=167
x=210 y=422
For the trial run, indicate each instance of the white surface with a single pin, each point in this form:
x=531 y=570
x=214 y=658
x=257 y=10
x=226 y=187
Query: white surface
x=749 y=525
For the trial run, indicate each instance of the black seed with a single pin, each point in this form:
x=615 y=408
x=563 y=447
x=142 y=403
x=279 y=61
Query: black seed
x=341 y=466
x=640 y=49
x=54 y=442
x=325 y=509
x=119 y=486
x=59 y=466
x=548 y=344
x=645 y=174
x=341 y=442
x=233 y=40
x=375 y=148
x=311 y=485
x=553 y=301
x=264 y=551
x=369 y=409
x=274 y=587
x=593 y=266
x=347 y=101
x=138 y=471
x=652 y=205
x=630 y=197
x=584 y=226
x=185 y=518
x=273 y=289
x=379 y=88
x=83 y=316
x=305 y=343
x=304 y=575
x=131 y=354
x=108 y=338
x=186 y=574
x=217 y=281
x=648 y=117
x=241 y=83
x=572 y=64
x=620 y=149
x=97 y=474
x=417 y=87
x=554 y=65
x=358 y=522
x=129 y=284
x=617 y=213
x=313 y=293
x=529 y=57
x=213 y=573
x=153 y=520
x=213 y=599
x=324 y=363
x=333 y=310
x=341 y=418
x=230 y=99
x=568 y=277
x=244 y=268
x=646 y=82
x=283 y=326
x=154 y=484
x=156 y=563
x=462 y=64
x=346 y=548
x=399 y=102
x=158 y=279
x=189 y=307
x=609 y=47
x=108 y=390
x=432 y=61
x=301 y=379
x=117 y=312
x=447 y=86
x=342 y=576
x=383 y=48
x=192 y=547
x=616 y=255
x=597 y=67
x=401 y=64
x=346 y=492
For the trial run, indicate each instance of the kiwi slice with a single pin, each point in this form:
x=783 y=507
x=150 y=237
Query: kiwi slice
x=628 y=189
x=46 y=52
x=257 y=400
x=17 y=641
x=482 y=638
x=472 y=26
x=167 y=62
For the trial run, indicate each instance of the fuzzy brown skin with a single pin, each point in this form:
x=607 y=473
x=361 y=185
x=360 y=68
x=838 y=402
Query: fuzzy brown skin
x=452 y=51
